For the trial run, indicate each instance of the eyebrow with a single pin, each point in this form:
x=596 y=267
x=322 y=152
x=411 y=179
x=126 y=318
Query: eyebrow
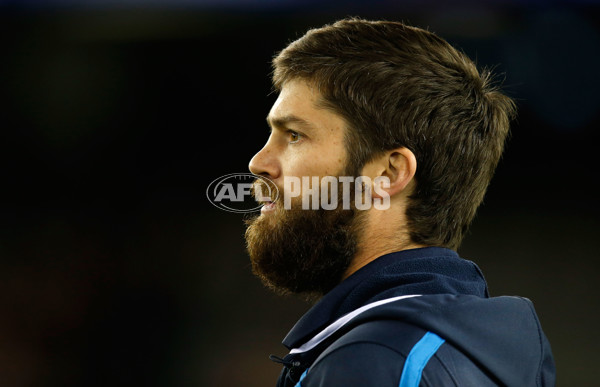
x=281 y=122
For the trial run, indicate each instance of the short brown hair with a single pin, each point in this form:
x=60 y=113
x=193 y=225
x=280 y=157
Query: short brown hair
x=401 y=86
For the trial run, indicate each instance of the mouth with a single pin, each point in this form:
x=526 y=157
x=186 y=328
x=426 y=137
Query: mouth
x=268 y=207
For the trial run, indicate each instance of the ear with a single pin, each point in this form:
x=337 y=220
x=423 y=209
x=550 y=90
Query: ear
x=397 y=166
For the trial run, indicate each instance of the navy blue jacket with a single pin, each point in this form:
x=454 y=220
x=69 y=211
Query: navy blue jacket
x=420 y=317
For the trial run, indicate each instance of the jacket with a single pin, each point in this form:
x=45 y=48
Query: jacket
x=420 y=317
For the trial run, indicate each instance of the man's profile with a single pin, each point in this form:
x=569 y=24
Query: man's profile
x=423 y=128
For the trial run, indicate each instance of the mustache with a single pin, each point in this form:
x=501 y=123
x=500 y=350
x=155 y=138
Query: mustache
x=262 y=192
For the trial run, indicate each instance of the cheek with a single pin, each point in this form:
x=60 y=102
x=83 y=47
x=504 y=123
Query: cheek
x=313 y=159
x=321 y=164
x=334 y=161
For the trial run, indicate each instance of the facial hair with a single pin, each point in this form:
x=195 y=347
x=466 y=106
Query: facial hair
x=303 y=252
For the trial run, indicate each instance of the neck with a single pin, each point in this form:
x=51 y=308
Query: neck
x=364 y=257
x=378 y=239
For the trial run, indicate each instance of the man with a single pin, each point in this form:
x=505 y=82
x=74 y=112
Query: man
x=398 y=105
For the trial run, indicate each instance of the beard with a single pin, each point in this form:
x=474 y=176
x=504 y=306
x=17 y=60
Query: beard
x=304 y=252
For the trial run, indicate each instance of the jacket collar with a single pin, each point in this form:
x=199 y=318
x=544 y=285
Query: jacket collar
x=428 y=270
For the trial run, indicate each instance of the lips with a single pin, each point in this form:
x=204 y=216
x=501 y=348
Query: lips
x=268 y=206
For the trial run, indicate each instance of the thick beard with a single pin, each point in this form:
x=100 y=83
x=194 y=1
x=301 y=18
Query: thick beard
x=305 y=252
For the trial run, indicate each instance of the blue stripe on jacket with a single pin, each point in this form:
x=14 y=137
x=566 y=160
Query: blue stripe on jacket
x=417 y=359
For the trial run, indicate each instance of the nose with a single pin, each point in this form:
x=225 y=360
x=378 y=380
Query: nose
x=265 y=162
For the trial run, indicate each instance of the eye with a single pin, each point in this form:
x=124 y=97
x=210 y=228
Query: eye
x=294 y=136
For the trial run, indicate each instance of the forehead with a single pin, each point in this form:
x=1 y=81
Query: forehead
x=295 y=96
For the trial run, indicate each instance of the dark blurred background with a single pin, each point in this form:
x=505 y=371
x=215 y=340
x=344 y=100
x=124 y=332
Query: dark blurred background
x=116 y=270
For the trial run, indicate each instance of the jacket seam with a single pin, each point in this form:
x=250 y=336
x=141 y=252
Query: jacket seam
x=445 y=368
x=540 y=340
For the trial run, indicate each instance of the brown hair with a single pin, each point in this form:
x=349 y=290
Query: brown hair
x=401 y=86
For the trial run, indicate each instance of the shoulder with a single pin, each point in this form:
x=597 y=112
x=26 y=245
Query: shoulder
x=375 y=354
x=383 y=353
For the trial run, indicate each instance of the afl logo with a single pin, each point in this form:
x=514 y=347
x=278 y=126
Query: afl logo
x=233 y=192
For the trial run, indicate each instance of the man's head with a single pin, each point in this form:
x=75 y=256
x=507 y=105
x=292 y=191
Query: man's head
x=365 y=97
x=400 y=86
